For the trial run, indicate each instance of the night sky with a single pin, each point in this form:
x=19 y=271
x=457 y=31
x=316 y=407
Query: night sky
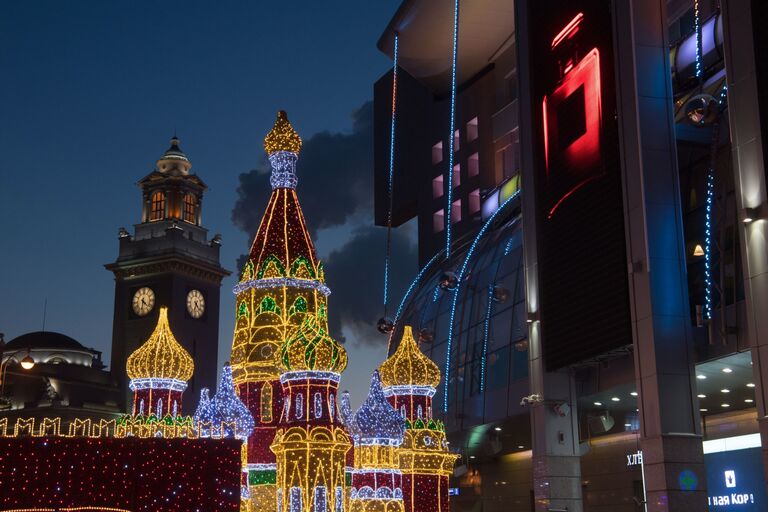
x=91 y=94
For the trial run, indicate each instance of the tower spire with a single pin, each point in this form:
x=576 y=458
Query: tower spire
x=283 y=145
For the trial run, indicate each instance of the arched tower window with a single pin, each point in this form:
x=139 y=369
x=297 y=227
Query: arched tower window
x=159 y=412
x=175 y=408
x=402 y=411
x=266 y=402
x=141 y=407
x=157 y=207
x=419 y=412
x=318 y=405
x=190 y=208
x=332 y=405
x=299 y=405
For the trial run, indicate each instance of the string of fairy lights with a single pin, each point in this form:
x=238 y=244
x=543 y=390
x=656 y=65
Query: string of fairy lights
x=451 y=137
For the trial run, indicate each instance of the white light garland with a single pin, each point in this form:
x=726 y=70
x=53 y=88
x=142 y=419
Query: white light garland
x=157 y=383
x=404 y=390
x=310 y=375
x=281 y=282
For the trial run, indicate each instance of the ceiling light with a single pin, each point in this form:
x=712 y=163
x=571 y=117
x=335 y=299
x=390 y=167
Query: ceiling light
x=520 y=447
x=750 y=385
x=703 y=410
x=698 y=250
x=724 y=390
x=497 y=429
x=725 y=405
x=701 y=377
x=634 y=393
x=748 y=400
x=471 y=456
x=702 y=396
x=727 y=370
x=615 y=399
x=628 y=425
x=598 y=404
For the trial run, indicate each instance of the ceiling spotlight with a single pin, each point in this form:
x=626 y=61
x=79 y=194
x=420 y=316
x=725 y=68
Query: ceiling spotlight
x=628 y=425
x=703 y=410
x=497 y=429
x=748 y=401
x=615 y=399
x=634 y=393
x=727 y=370
x=520 y=447
x=471 y=456
x=598 y=404
x=750 y=385
x=725 y=405
x=724 y=390
x=698 y=250
x=701 y=377
x=702 y=396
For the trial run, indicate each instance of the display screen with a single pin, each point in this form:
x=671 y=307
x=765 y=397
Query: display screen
x=735 y=481
x=584 y=285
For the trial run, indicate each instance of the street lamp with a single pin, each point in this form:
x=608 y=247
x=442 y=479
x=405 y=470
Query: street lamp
x=28 y=363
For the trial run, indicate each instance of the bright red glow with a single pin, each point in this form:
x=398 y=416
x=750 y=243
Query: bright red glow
x=579 y=161
x=570 y=29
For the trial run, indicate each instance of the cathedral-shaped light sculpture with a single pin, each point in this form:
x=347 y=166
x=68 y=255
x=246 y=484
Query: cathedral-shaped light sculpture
x=409 y=379
x=377 y=430
x=159 y=371
x=282 y=283
x=224 y=415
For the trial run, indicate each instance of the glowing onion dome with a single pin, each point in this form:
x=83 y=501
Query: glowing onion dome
x=408 y=366
x=161 y=356
x=376 y=421
x=311 y=348
x=282 y=136
x=225 y=413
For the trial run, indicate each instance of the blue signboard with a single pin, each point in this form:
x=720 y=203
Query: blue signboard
x=735 y=481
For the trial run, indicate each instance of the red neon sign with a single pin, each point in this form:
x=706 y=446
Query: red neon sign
x=572 y=122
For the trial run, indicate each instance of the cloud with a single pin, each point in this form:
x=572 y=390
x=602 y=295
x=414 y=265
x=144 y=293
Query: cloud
x=337 y=168
x=336 y=192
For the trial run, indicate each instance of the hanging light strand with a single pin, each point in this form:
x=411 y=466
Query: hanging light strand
x=451 y=139
x=390 y=193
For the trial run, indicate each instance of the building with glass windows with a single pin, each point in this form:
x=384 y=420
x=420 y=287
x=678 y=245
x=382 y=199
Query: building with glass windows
x=588 y=182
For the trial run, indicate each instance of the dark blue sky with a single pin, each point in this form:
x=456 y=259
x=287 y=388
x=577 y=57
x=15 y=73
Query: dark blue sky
x=91 y=93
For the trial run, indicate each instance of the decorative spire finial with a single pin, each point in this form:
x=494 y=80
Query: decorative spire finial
x=283 y=145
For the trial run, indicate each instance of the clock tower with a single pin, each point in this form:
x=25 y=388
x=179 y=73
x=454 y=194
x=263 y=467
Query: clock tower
x=168 y=262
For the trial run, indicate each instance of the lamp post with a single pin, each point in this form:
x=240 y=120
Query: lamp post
x=27 y=363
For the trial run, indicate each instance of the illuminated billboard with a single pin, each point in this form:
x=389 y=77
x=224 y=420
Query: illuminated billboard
x=583 y=285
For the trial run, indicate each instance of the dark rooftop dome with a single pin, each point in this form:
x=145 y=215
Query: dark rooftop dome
x=44 y=339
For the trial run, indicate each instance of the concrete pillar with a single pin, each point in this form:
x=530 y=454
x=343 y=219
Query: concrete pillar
x=747 y=140
x=670 y=425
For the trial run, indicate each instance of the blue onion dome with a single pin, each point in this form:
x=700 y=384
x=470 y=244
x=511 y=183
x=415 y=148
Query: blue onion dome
x=225 y=413
x=377 y=422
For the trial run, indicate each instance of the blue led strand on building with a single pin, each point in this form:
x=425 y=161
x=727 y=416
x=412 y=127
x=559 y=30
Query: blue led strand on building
x=462 y=272
x=486 y=331
x=449 y=171
x=708 y=244
x=407 y=294
x=391 y=176
x=697 y=27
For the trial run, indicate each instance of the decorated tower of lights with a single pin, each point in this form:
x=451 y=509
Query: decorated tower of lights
x=377 y=430
x=158 y=371
x=311 y=444
x=281 y=283
x=409 y=379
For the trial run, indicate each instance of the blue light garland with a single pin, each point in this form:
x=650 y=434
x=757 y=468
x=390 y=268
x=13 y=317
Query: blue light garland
x=697 y=27
x=486 y=329
x=462 y=271
x=391 y=175
x=449 y=171
x=708 y=244
x=225 y=413
x=377 y=422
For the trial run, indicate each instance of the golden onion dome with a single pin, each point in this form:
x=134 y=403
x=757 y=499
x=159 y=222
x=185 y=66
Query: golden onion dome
x=408 y=366
x=161 y=356
x=311 y=348
x=282 y=137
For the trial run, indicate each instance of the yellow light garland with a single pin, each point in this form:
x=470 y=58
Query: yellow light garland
x=161 y=356
x=282 y=137
x=408 y=366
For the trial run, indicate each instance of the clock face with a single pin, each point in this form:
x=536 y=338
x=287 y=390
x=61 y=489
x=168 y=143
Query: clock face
x=195 y=304
x=143 y=301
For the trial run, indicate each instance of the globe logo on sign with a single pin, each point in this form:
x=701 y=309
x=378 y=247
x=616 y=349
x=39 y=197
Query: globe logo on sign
x=730 y=478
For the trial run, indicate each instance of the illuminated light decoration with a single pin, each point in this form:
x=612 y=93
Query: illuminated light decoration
x=108 y=474
x=486 y=332
x=410 y=379
x=391 y=179
x=407 y=294
x=708 y=243
x=282 y=282
x=377 y=430
x=462 y=272
x=697 y=28
x=451 y=135
x=312 y=349
x=226 y=414
x=159 y=370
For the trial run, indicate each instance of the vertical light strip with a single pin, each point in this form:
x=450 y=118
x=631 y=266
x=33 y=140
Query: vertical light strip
x=460 y=278
x=697 y=27
x=708 y=244
x=486 y=331
x=407 y=294
x=449 y=171
x=391 y=176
